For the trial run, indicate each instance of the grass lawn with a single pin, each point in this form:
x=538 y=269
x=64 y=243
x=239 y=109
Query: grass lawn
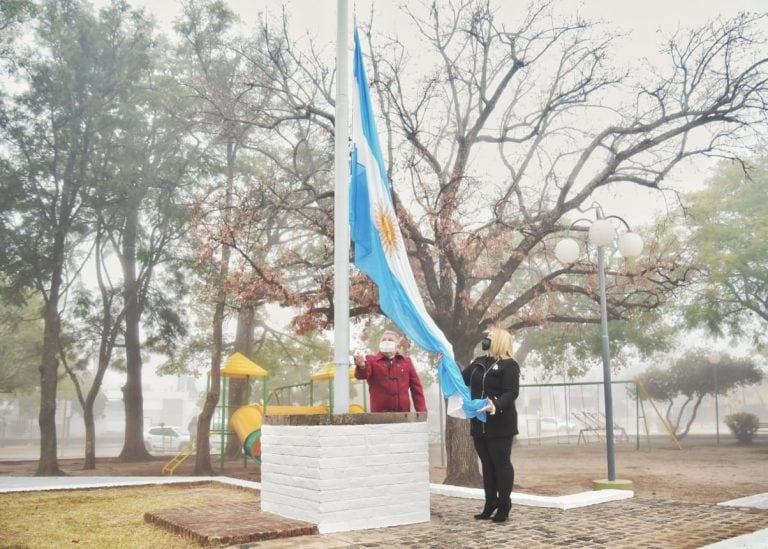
x=110 y=517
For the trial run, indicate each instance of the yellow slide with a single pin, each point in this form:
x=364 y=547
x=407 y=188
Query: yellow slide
x=246 y=422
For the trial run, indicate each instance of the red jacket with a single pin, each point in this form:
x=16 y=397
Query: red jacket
x=388 y=382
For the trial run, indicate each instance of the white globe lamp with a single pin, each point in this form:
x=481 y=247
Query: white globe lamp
x=602 y=232
x=630 y=244
x=567 y=251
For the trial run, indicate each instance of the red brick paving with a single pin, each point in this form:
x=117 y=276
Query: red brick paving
x=229 y=523
x=631 y=523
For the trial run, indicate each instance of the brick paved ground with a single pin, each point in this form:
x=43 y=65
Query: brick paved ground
x=227 y=523
x=636 y=522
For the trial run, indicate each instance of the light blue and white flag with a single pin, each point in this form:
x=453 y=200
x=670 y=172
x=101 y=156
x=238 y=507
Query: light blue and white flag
x=380 y=251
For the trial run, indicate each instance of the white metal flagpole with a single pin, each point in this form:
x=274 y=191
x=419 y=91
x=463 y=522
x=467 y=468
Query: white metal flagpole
x=341 y=214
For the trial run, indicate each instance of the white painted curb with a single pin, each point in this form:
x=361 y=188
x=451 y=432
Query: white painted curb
x=581 y=499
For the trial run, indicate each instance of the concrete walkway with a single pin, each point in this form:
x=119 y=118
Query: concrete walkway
x=30 y=484
x=588 y=519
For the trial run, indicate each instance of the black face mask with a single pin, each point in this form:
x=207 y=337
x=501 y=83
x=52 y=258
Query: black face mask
x=485 y=344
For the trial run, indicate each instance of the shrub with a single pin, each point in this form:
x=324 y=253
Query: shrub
x=744 y=425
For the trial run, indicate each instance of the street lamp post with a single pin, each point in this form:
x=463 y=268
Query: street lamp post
x=602 y=233
x=714 y=359
x=604 y=349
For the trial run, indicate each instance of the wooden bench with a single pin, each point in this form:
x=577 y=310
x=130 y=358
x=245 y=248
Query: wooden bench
x=762 y=427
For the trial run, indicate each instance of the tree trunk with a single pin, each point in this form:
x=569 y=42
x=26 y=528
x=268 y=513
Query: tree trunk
x=90 y=400
x=108 y=334
x=668 y=413
x=105 y=354
x=133 y=399
x=48 y=464
x=462 y=464
x=203 y=451
x=49 y=367
x=203 y=465
x=203 y=454
x=679 y=418
x=90 y=439
x=109 y=331
x=236 y=394
x=693 y=416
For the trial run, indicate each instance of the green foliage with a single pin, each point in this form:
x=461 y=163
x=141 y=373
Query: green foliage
x=21 y=336
x=13 y=14
x=288 y=358
x=729 y=222
x=291 y=359
x=660 y=383
x=571 y=350
x=693 y=377
x=14 y=11
x=164 y=322
x=66 y=391
x=743 y=425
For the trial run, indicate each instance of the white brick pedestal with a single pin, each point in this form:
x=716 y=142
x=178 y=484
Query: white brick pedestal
x=346 y=471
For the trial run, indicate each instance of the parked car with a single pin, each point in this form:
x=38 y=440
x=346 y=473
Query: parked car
x=166 y=438
x=533 y=426
x=554 y=424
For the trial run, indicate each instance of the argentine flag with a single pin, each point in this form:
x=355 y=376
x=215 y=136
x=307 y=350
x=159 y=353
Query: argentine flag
x=380 y=251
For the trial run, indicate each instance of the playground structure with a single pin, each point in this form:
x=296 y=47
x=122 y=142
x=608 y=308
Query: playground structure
x=568 y=411
x=594 y=423
x=245 y=422
x=572 y=411
x=326 y=374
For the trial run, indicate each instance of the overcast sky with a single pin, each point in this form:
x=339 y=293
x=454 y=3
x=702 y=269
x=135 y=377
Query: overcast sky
x=644 y=22
x=643 y=17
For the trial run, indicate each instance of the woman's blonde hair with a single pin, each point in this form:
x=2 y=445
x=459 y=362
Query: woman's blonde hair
x=501 y=343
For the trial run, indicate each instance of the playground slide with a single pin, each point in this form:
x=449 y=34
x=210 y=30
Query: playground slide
x=246 y=422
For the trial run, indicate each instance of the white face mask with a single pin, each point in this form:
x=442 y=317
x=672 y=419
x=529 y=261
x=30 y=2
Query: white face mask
x=387 y=346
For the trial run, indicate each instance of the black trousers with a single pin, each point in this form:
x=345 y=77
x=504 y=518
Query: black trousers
x=498 y=474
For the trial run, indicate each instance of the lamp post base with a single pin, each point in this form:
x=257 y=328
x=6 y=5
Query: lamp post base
x=605 y=484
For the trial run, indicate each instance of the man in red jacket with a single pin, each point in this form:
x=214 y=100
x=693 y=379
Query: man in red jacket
x=390 y=375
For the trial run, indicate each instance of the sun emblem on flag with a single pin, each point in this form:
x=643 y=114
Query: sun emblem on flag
x=386 y=224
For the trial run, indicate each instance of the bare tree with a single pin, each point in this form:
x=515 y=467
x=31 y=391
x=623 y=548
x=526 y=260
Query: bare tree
x=299 y=121
x=519 y=124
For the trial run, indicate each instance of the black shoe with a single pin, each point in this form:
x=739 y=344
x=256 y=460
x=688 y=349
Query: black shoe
x=503 y=513
x=490 y=507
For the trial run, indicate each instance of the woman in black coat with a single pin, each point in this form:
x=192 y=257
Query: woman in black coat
x=495 y=376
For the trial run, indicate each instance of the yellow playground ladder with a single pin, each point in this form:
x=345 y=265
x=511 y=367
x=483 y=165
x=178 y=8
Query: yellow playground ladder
x=179 y=458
